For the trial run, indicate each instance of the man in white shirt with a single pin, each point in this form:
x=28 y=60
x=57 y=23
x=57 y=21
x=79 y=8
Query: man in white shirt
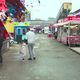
x=31 y=41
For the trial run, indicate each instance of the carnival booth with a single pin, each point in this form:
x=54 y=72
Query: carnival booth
x=69 y=32
x=20 y=29
x=58 y=31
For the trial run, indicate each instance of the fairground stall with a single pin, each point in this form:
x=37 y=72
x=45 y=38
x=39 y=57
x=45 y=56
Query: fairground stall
x=20 y=29
x=69 y=31
x=15 y=15
x=53 y=29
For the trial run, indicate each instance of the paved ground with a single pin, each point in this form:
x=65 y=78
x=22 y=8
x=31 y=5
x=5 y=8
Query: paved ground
x=54 y=62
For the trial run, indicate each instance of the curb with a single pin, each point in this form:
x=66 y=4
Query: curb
x=74 y=51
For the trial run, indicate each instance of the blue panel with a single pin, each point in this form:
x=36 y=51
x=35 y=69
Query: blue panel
x=20 y=30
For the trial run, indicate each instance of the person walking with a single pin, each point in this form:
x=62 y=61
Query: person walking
x=31 y=42
x=22 y=50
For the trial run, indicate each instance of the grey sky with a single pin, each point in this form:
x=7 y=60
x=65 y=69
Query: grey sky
x=48 y=8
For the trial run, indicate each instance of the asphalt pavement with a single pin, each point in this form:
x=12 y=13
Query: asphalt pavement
x=54 y=61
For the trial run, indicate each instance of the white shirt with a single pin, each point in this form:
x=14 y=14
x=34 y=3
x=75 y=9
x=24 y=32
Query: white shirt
x=30 y=37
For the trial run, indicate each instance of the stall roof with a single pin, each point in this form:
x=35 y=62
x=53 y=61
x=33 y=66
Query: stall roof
x=74 y=22
x=68 y=22
x=16 y=3
x=17 y=9
x=60 y=24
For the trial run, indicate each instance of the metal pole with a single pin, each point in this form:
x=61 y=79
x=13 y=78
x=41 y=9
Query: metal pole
x=68 y=36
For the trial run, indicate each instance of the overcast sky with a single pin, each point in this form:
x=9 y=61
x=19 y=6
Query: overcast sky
x=48 y=8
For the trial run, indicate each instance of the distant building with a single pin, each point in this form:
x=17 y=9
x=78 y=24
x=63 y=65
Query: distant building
x=40 y=23
x=64 y=11
x=51 y=18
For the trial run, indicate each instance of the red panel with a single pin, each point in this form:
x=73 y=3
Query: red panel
x=6 y=35
x=3 y=31
x=3 y=6
x=2 y=1
x=72 y=18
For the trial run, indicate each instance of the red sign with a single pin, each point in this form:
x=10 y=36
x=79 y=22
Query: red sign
x=69 y=18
